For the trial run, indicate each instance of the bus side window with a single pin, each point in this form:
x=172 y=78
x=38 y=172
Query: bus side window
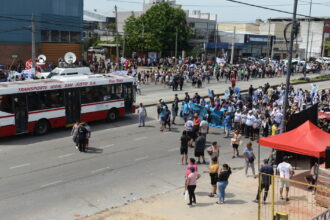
x=6 y=104
x=51 y=99
x=118 y=91
x=33 y=101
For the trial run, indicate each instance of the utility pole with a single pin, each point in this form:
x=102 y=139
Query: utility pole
x=216 y=37
x=311 y=50
x=233 y=47
x=268 y=42
x=117 y=46
x=323 y=45
x=176 y=44
x=308 y=30
x=287 y=86
x=124 y=46
x=33 y=38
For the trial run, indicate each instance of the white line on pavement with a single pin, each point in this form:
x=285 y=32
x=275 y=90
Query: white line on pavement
x=140 y=138
x=19 y=166
x=173 y=149
x=108 y=146
x=141 y=158
x=99 y=170
x=50 y=184
x=65 y=155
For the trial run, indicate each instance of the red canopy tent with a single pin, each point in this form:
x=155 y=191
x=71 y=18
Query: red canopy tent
x=307 y=139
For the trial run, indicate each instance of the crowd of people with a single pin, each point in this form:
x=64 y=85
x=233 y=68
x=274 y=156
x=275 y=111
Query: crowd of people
x=257 y=113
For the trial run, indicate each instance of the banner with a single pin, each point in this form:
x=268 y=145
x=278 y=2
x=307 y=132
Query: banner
x=298 y=119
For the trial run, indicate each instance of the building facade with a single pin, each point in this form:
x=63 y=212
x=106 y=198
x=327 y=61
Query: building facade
x=59 y=26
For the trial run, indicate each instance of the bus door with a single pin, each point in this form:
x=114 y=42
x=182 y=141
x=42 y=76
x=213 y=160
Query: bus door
x=21 y=114
x=129 y=96
x=72 y=105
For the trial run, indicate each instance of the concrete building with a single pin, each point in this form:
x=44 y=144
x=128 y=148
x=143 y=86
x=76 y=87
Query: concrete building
x=240 y=27
x=245 y=45
x=317 y=36
x=59 y=25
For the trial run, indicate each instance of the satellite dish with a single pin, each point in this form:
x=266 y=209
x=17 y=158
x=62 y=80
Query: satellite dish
x=70 y=58
x=42 y=58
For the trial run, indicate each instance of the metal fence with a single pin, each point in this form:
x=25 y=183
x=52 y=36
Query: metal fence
x=301 y=205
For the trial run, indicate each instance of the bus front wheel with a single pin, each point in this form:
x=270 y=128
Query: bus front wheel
x=112 y=115
x=42 y=127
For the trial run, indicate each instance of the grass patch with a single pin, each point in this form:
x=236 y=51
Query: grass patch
x=314 y=79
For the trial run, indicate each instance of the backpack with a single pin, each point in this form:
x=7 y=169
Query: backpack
x=82 y=133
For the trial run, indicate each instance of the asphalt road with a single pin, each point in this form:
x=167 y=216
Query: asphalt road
x=45 y=177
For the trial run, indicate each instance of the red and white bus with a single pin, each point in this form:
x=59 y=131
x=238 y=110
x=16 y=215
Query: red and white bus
x=38 y=105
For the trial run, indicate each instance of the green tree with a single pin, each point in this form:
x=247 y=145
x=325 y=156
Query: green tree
x=156 y=29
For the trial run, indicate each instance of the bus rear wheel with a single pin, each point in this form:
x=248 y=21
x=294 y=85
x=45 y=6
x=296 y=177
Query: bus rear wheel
x=112 y=115
x=42 y=127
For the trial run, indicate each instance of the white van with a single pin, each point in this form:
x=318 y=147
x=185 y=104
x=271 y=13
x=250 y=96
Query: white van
x=69 y=71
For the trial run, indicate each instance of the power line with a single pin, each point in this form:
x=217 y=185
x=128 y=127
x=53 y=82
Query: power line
x=264 y=7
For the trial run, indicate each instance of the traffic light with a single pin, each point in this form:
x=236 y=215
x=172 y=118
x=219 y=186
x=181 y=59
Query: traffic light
x=296 y=28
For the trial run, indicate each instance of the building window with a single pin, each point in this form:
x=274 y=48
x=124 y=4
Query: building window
x=75 y=37
x=55 y=36
x=201 y=25
x=45 y=35
x=65 y=37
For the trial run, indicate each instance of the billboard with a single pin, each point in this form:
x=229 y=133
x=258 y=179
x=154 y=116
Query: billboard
x=257 y=39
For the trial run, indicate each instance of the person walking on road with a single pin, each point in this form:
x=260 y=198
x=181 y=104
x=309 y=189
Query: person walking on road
x=199 y=148
x=191 y=183
x=184 y=147
x=213 y=171
x=266 y=180
x=142 y=115
x=74 y=133
x=286 y=172
x=89 y=133
x=214 y=150
x=82 y=137
x=235 y=141
x=175 y=110
x=223 y=183
x=204 y=127
x=249 y=159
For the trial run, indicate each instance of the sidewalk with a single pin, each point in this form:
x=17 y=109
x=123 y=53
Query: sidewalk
x=240 y=192
x=152 y=93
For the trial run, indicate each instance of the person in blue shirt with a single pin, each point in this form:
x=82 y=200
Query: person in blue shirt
x=266 y=180
x=227 y=124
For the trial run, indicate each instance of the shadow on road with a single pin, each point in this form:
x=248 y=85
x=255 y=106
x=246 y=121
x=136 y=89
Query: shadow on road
x=57 y=133
x=94 y=150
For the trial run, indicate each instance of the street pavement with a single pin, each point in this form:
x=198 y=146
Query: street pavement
x=45 y=177
x=150 y=90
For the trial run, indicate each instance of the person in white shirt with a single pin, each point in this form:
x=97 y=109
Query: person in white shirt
x=256 y=126
x=286 y=172
x=204 y=127
x=249 y=122
x=243 y=120
x=237 y=119
x=142 y=115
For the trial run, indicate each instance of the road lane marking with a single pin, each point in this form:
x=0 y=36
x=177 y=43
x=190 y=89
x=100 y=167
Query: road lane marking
x=101 y=169
x=173 y=149
x=141 y=158
x=65 y=155
x=51 y=184
x=140 y=138
x=19 y=166
x=108 y=146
